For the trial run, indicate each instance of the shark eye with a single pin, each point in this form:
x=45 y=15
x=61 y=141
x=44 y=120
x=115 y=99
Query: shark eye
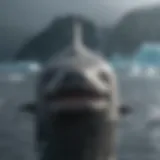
x=104 y=77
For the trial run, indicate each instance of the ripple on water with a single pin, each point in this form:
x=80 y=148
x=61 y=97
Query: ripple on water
x=154 y=115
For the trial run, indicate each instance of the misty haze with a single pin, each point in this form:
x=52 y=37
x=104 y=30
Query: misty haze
x=125 y=32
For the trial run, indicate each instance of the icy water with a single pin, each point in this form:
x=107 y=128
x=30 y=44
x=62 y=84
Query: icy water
x=139 y=133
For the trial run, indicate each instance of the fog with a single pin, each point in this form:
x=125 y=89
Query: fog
x=36 y=14
x=21 y=19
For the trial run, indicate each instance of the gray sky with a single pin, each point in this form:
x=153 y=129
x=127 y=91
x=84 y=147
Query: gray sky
x=21 y=19
x=38 y=13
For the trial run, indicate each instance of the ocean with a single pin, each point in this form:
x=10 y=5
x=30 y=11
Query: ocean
x=138 y=136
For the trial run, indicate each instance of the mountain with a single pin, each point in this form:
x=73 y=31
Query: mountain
x=55 y=37
x=135 y=28
x=11 y=38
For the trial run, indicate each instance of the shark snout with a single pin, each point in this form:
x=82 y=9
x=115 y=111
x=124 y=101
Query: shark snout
x=77 y=89
x=82 y=79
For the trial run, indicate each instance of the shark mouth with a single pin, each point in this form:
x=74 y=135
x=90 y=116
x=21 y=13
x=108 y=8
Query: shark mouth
x=77 y=95
x=75 y=91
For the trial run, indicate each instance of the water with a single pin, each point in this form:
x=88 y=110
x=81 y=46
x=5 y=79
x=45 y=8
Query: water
x=139 y=132
x=140 y=138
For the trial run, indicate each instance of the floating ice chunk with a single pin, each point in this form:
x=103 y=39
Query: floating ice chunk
x=16 y=77
x=34 y=67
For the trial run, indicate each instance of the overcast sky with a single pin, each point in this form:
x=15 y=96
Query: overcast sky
x=37 y=13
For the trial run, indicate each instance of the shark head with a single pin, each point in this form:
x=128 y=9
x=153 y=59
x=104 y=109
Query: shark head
x=78 y=79
x=81 y=86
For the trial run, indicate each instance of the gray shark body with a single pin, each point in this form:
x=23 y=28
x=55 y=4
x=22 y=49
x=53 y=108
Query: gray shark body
x=77 y=106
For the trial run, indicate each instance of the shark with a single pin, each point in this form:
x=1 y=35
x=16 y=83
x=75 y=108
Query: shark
x=77 y=107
